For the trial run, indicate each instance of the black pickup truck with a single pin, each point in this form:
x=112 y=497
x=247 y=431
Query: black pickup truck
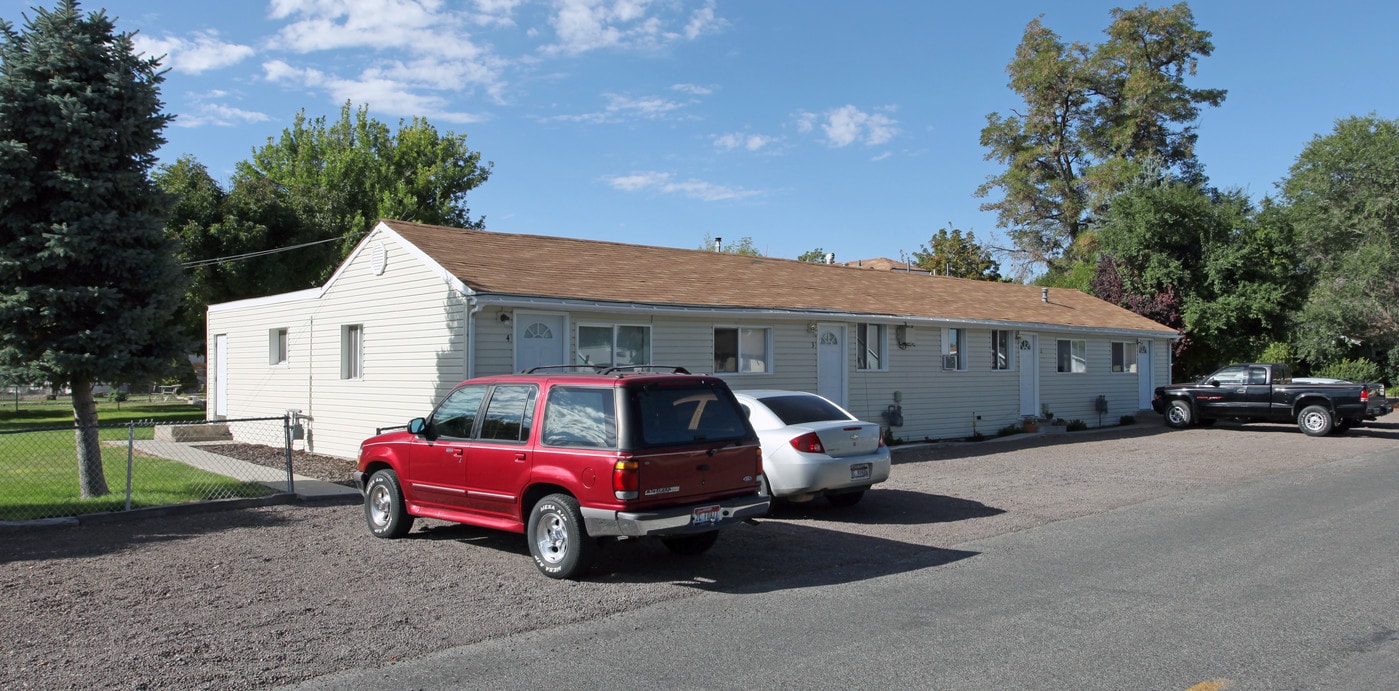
x=1261 y=392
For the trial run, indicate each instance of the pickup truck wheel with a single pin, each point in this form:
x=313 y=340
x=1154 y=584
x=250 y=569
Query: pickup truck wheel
x=689 y=545
x=560 y=546
x=1178 y=415
x=1315 y=421
x=383 y=506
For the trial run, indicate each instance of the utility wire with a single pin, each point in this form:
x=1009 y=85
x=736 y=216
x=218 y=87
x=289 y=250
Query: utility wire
x=239 y=257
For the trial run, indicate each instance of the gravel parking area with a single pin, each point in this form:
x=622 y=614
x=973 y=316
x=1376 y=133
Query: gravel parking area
x=252 y=598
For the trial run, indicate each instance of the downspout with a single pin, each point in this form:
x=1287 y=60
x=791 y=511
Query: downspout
x=309 y=441
x=471 y=336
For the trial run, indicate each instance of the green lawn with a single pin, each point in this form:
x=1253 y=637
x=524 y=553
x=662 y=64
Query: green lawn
x=39 y=473
x=31 y=414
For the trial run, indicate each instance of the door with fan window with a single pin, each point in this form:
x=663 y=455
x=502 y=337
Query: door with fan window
x=540 y=339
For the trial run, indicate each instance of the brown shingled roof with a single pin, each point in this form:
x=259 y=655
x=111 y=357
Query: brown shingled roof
x=555 y=267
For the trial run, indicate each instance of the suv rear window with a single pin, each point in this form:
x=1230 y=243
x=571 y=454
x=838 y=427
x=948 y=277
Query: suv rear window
x=686 y=413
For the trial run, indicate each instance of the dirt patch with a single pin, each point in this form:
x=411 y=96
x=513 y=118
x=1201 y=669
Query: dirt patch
x=318 y=466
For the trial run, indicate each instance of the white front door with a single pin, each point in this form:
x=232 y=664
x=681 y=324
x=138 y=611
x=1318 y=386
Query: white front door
x=830 y=362
x=1027 y=349
x=540 y=339
x=1146 y=383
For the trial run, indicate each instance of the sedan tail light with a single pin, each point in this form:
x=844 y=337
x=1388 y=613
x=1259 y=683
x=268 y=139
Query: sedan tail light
x=808 y=443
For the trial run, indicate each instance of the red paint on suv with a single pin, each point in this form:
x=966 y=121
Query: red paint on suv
x=570 y=458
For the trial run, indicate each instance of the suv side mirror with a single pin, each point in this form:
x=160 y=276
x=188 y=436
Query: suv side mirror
x=1213 y=382
x=417 y=425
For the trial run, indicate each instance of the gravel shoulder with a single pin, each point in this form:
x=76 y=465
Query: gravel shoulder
x=252 y=598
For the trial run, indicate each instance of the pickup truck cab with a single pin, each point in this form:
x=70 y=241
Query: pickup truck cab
x=569 y=458
x=1265 y=392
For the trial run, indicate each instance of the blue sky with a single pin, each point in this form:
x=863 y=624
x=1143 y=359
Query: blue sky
x=849 y=126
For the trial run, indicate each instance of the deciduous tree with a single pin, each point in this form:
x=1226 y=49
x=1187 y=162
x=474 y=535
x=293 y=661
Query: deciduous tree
x=1092 y=115
x=88 y=280
x=1341 y=201
x=950 y=253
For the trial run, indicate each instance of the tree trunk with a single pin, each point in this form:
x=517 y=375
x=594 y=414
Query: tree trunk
x=92 y=482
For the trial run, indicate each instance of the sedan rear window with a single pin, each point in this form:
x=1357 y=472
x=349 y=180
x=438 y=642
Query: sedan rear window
x=795 y=410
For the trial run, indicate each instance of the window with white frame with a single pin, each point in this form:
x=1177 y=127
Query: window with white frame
x=277 y=347
x=617 y=345
x=352 y=351
x=871 y=340
x=1072 y=356
x=742 y=349
x=954 y=349
x=1124 y=357
x=1000 y=350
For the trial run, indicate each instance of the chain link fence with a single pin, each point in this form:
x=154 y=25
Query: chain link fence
x=145 y=464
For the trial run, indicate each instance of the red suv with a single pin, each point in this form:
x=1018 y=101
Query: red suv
x=569 y=458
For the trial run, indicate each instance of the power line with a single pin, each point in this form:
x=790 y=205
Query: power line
x=239 y=257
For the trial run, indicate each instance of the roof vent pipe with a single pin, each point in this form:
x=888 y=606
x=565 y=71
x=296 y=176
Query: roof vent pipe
x=830 y=257
x=1044 y=294
x=718 y=244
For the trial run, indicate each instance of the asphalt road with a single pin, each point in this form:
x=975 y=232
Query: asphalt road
x=1282 y=581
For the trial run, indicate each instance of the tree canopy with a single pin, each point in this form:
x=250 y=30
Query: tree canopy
x=88 y=280
x=337 y=179
x=950 y=253
x=296 y=209
x=1341 y=202
x=1092 y=115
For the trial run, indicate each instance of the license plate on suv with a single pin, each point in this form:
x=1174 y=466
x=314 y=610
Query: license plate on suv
x=707 y=515
x=859 y=471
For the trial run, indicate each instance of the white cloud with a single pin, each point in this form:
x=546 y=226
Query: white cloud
x=622 y=108
x=584 y=25
x=379 y=93
x=692 y=89
x=209 y=110
x=740 y=140
x=849 y=125
x=199 y=54
x=663 y=183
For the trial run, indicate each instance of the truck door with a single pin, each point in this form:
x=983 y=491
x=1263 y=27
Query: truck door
x=1226 y=394
x=1258 y=394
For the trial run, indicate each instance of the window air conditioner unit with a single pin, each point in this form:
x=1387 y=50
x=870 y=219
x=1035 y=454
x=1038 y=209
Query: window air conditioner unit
x=949 y=362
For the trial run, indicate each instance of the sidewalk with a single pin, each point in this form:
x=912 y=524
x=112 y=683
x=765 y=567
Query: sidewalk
x=305 y=488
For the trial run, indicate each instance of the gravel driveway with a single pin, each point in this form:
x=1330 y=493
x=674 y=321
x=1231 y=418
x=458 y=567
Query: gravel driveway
x=257 y=597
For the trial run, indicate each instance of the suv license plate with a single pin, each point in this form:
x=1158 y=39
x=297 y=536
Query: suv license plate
x=707 y=515
x=859 y=471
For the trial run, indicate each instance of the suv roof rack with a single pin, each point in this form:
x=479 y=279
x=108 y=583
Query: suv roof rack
x=591 y=369
x=672 y=369
x=603 y=369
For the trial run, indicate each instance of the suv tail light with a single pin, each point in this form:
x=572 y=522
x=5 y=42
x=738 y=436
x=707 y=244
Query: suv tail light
x=625 y=483
x=881 y=438
x=808 y=443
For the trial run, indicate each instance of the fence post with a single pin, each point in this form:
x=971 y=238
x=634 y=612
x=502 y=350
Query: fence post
x=286 y=436
x=130 y=445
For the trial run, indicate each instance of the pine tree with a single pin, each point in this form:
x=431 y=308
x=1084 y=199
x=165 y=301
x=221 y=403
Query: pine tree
x=88 y=279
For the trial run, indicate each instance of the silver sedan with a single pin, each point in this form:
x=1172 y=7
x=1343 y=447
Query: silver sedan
x=813 y=447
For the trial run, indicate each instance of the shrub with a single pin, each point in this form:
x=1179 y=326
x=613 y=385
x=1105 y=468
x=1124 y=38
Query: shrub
x=1009 y=430
x=1076 y=425
x=1351 y=370
x=116 y=396
x=1280 y=353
